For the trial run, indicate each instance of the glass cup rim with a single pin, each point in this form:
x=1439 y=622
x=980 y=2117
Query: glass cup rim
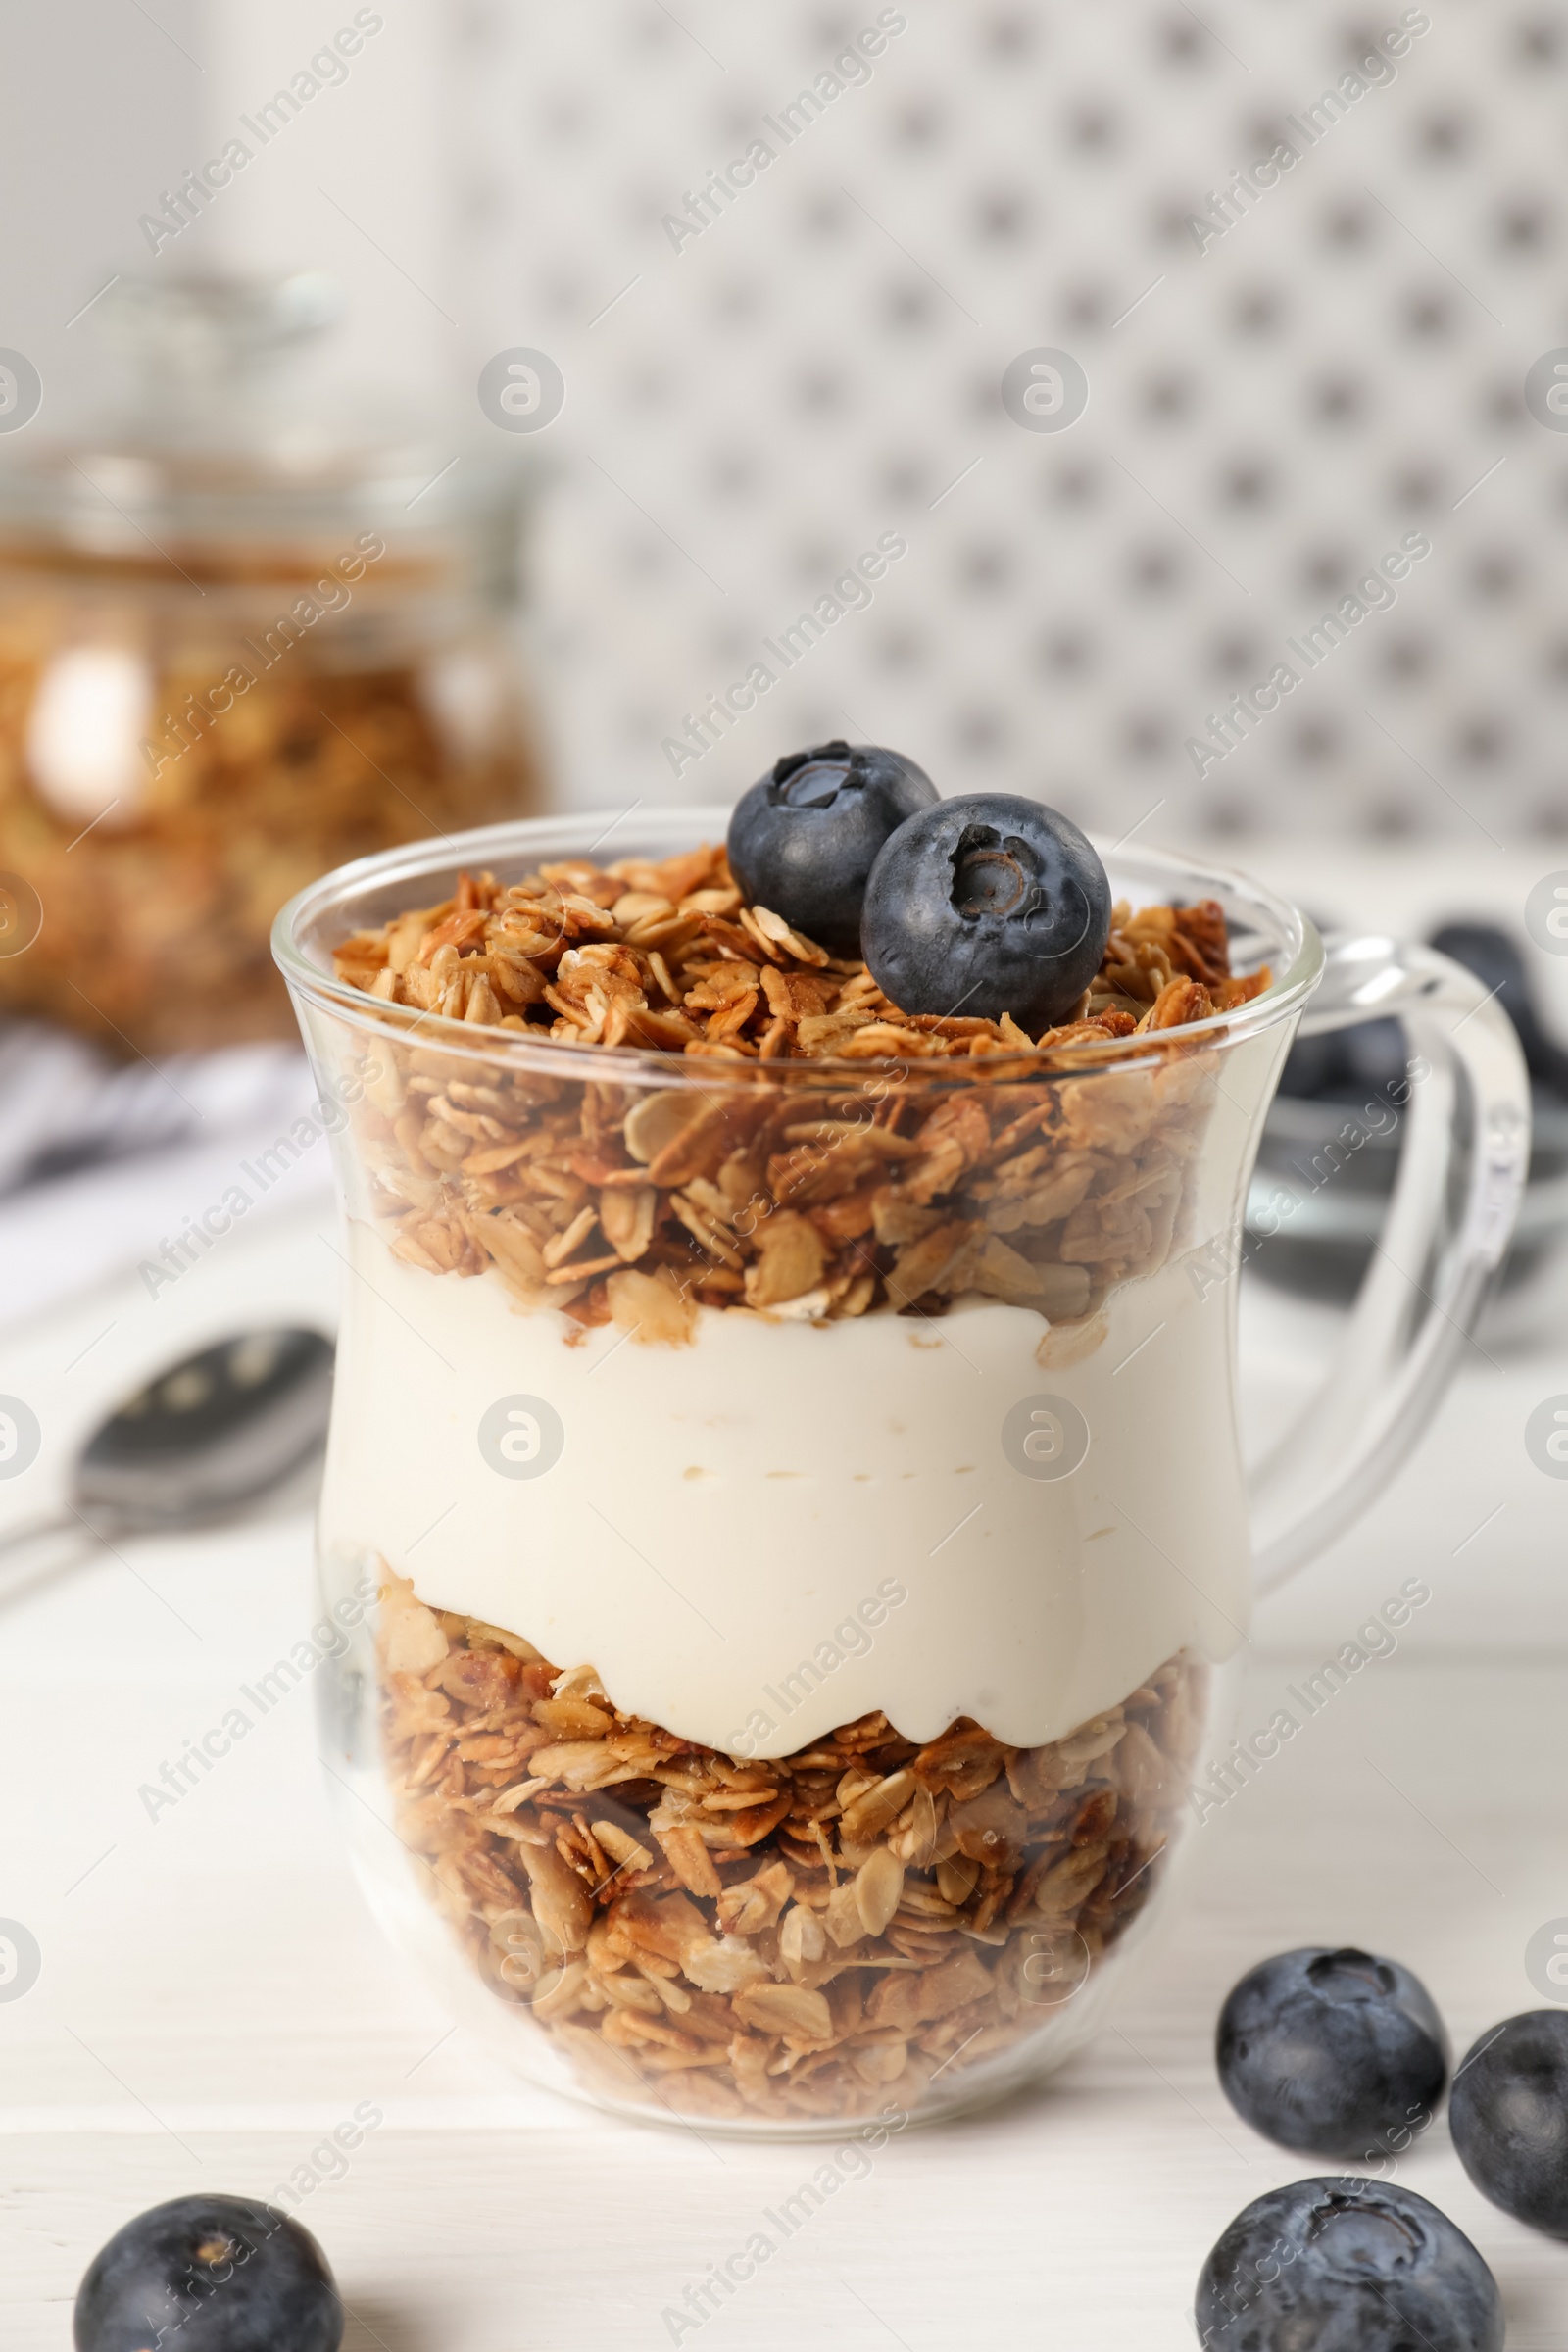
x=580 y=833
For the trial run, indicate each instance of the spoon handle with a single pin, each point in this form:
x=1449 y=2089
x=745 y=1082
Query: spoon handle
x=32 y=1553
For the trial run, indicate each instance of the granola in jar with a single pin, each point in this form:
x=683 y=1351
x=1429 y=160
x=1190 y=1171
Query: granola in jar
x=241 y=642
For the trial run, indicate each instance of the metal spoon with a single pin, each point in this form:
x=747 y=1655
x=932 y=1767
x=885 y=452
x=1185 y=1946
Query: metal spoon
x=207 y=1441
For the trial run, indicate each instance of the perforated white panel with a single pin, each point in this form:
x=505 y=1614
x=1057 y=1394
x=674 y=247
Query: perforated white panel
x=1275 y=403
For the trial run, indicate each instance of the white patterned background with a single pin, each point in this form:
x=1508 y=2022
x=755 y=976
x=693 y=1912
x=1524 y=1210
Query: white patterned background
x=821 y=365
x=1341 y=368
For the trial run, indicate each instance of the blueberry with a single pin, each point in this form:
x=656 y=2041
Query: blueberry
x=1332 y=2053
x=802 y=842
x=1346 y=2265
x=210 y=2275
x=987 y=904
x=1509 y=2118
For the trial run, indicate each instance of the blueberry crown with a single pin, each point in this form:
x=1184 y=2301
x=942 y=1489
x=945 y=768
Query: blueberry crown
x=792 y=762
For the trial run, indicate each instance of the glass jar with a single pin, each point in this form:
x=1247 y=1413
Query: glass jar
x=238 y=646
x=784 y=1533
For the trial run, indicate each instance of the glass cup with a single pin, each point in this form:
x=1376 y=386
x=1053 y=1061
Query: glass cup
x=784 y=1521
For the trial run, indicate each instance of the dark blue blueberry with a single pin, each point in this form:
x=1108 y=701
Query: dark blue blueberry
x=1346 y=2265
x=1509 y=2118
x=1332 y=2053
x=987 y=904
x=802 y=842
x=208 y=2274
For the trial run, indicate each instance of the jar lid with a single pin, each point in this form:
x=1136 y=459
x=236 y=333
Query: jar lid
x=214 y=446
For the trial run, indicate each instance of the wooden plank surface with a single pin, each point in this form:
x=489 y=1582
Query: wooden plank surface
x=215 y=1997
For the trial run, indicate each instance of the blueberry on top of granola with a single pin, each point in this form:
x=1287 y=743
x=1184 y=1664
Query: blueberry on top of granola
x=988 y=905
x=670 y=955
x=805 y=838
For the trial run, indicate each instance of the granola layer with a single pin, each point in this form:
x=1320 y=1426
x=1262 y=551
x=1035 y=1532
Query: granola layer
x=792 y=1940
x=969 y=1159
x=669 y=956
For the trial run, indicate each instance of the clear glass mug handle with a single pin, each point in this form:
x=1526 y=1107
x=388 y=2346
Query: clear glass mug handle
x=1461 y=1177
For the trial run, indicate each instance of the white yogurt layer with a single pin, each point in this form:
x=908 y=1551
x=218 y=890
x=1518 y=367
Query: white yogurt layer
x=782 y=1527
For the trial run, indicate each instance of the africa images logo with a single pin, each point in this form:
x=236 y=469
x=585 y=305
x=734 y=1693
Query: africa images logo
x=1547 y=1436
x=521 y=1436
x=20 y=1960
x=1045 y=1436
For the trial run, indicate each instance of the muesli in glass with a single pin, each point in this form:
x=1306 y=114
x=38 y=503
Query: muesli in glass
x=795 y=1448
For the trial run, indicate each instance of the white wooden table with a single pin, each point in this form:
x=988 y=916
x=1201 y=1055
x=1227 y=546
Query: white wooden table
x=215 y=1997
